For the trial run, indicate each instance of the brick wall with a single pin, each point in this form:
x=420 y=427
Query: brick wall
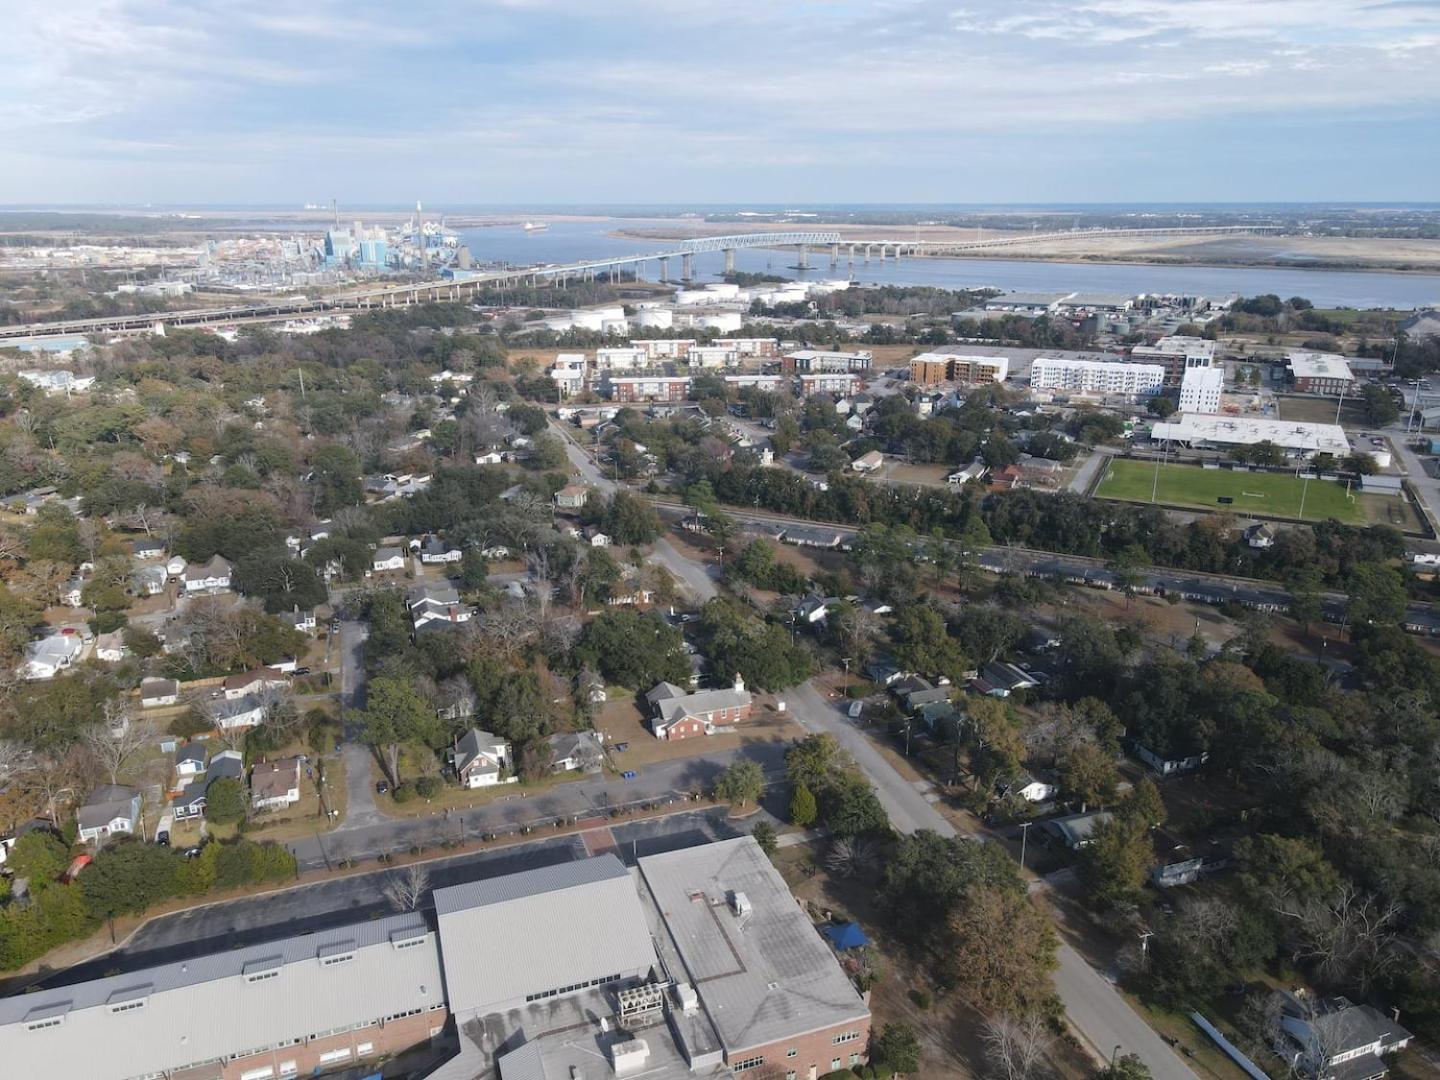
x=814 y=1055
x=363 y=1044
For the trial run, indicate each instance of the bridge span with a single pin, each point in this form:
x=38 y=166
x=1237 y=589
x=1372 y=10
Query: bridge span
x=385 y=294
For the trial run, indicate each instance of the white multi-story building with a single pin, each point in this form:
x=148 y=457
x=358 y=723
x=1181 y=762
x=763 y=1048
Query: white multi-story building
x=569 y=373
x=625 y=357
x=1111 y=378
x=1200 y=389
x=1178 y=353
x=712 y=356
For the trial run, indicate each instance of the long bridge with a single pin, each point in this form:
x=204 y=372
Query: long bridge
x=386 y=295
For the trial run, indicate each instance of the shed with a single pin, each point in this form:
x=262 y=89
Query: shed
x=846 y=936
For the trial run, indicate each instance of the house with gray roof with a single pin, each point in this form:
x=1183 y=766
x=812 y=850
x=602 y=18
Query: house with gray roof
x=479 y=758
x=109 y=809
x=680 y=714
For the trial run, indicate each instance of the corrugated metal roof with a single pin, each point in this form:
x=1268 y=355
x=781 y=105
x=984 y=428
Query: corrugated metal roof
x=207 y=1008
x=540 y=930
x=762 y=976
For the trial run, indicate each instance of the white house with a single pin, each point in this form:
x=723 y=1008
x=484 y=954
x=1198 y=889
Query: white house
x=175 y=566
x=387 y=560
x=190 y=760
x=576 y=751
x=868 y=462
x=1028 y=788
x=489 y=457
x=214 y=576
x=436 y=603
x=254 y=682
x=109 y=809
x=598 y=539
x=1169 y=766
x=149 y=581
x=240 y=712
x=275 y=785
x=156 y=693
x=304 y=621
x=435 y=552
x=71 y=593
x=111 y=647
x=46 y=658
x=478 y=757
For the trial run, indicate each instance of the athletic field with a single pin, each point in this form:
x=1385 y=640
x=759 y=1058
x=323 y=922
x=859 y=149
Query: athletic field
x=1274 y=494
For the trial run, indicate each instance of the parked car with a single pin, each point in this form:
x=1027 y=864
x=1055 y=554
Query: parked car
x=629 y=774
x=163 y=838
x=301 y=671
x=382 y=787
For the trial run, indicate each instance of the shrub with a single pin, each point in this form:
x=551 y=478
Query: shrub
x=402 y=793
x=920 y=997
x=427 y=787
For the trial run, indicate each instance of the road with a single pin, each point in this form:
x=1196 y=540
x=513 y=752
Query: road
x=1085 y=475
x=506 y=813
x=234 y=924
x=1096 y=1009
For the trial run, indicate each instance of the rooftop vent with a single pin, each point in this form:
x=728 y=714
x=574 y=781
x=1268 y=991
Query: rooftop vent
x=741 y=903
x=630 y=1057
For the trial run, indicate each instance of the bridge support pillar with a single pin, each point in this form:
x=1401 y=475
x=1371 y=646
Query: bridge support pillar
x=687 y=267
x=664 y=271
x=804 y=263
x=729 y=260
x=834 y=256
x=867 y=252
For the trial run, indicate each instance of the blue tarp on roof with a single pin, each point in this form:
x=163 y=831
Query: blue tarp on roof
x=846 y=936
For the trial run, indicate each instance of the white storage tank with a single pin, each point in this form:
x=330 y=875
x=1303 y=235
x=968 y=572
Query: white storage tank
x=587 y=320
x=723 y=289
x=659 y=318
x=615 y=326
x=724 y=322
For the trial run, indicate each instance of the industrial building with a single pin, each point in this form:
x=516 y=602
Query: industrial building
x=698 y=963
x=1224 y=432
x=805 y=360
x=933 y=368
x=1114 y=378
x=1200 y=389
x=1177 y=354
x=1320 y=373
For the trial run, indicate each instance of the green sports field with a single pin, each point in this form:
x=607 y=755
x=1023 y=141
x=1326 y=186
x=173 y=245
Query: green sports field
x=1273 y=494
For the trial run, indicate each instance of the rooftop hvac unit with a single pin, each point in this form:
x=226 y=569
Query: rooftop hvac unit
x=636 y=1001
x=688 y=998
x=741 y=903
x=630 y=1057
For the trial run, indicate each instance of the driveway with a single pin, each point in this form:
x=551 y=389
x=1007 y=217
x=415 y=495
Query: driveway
x=1096 y=1010
x=360 y=811
x=695 y=576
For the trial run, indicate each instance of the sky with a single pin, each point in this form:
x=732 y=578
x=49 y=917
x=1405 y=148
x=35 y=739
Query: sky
x=671 y=101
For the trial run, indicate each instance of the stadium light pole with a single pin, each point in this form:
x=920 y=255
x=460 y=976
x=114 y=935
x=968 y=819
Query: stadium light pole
x=1304 y=490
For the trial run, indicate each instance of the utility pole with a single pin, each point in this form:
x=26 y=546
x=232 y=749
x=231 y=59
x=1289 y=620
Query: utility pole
x=1024 y=835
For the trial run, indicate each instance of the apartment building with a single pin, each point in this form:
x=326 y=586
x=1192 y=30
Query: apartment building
x=632 y=388
x=1176 y=354
x=828 y=382
x=765 y=347
x=931 y=369
x=820 y=360
x=664 y=348
x=1101 y=377
x=1200 y=390
x=1320 y=373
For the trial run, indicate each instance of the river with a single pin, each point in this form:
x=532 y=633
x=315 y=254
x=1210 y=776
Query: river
x=573 y=241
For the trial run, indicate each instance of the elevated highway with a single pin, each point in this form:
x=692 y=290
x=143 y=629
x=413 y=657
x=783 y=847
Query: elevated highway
x=383 y=294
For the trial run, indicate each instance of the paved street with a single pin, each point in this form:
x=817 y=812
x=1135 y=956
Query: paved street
x=1096 y=1010
x=656 y=783
x=698 y=577
x=312 y=908
x=1085 y=475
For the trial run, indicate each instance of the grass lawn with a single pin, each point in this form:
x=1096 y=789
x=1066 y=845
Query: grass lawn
x=1273 y=494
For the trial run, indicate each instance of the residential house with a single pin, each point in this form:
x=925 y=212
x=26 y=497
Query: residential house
x=817 y=536
x=149 y=581
x=304 y=621
x=941 y=718
x=72 y=592
x=111 y=647
x=596 y=538
x=572 y=497
x=479 y=757
x=29 y=502
x=1025 y=786
x=387 y=560
x=232 y=713
x=46 y=658
x=975 y=471
x=225 y=765
x=576 y=751
x=109 y=809
x=275 y=785
x=147 y=549
x=812 y=610
x=190 y=760
x=214 y=576
x=189 y=802
x=1335 y=1039
x=436 y=604
x=916 y=690
x=435 y=552
x=1170 y=765
x=175 y=566
x=868 y=462
x=1076 y=830
x=489 y=457
x=883 y=671
x=1260 y=536
x=997 y=679
x=254 y=682
x=156 y=693
x=682 y=715
x=1178 y=862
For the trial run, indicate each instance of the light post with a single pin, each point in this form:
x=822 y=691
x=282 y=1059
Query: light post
x=1024 y=834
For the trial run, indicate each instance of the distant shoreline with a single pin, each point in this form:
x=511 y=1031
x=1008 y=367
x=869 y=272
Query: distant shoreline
x=1090 y=259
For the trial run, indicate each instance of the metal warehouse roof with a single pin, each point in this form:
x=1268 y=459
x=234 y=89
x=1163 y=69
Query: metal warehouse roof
x=510 y=937
x=212 y=1006
x=763 y=975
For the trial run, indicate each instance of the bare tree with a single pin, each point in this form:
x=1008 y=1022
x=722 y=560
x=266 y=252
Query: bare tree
x=849 y=857
x=116 y=739
x=1350 y=936
x=1015 y=1047
x=54 y=775
x=406 y=888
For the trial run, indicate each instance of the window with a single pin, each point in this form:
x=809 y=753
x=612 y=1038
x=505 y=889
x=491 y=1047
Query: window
x=334 y=1055
x=834 y=1064
x=748 y=1063
x=261 y=976
x=791 y=1052
x=128 y=1006
x=789 y=1074
x=365 y=1048
x=844 y=1037
x=263 y=1073
x=854 y=1059
x=342 y=958
x=289 y=1068
x=408 y=943
x=48 y=1022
